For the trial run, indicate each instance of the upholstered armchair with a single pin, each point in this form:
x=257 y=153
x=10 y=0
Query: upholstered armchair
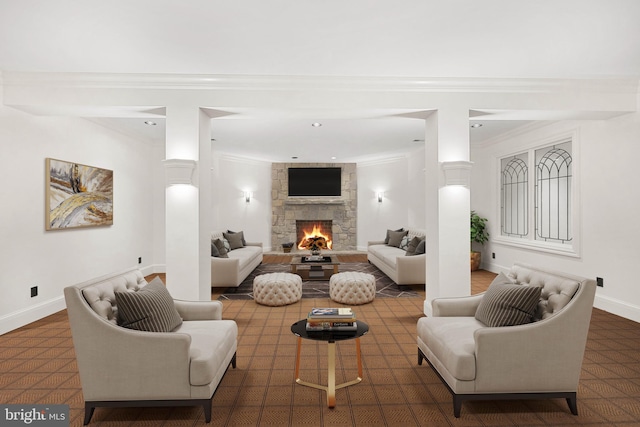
x=128 y=367
x=523 y=338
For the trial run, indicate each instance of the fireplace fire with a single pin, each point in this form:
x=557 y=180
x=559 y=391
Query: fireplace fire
x=314 y=235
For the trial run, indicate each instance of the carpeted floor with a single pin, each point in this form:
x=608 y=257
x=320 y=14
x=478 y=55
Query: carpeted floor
x=385 y=287
x=38 y=365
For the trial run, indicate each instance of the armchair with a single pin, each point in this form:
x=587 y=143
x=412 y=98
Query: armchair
x=541 y=359
x=121 y=367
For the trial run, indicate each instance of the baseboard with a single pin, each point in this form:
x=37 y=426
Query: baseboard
x=23 y=317
x=617 y=307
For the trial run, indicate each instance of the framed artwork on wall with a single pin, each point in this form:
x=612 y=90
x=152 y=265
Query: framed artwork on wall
x=77 y=195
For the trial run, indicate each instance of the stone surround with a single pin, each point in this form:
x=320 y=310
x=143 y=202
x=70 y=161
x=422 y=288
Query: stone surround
x=342 y=211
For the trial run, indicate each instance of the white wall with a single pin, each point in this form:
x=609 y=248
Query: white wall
x=231 y=177
x=606 y=161
x=401 y=201
x=51 y=260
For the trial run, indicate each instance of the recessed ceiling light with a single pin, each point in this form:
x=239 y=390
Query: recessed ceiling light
x=316 y=124
x=418 y=140
x=476 y=125
x=294 y=157
x=333 y=157
x=150 y=123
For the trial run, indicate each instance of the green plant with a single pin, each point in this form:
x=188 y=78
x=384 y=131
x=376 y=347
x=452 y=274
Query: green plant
x=479 y=232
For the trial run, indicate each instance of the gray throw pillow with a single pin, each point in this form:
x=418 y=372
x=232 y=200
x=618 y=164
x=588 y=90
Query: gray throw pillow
x=413 y=244
x=420 y=249
x=386 y=239
x=234 y=239
x=214 y=250
x=508 y=305
x=241 y=233
x=222 y=251
x=395 y=237
x=150 y=309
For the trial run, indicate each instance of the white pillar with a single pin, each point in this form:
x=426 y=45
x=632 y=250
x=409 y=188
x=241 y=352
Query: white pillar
x=447 y=192
x=187 y=203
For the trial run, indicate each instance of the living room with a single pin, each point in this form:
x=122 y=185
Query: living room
x=55 y=115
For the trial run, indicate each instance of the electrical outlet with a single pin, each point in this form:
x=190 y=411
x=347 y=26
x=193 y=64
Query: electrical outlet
x=600 y=282
x=493 y=255
x=34 y=291
x=139 y=260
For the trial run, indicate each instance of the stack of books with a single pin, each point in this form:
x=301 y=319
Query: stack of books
x=331 y=320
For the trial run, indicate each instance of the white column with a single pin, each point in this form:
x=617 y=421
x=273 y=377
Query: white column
x=187 y=203
x=448 y=204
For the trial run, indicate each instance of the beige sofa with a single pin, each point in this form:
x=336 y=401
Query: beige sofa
x=402 y=269
x=540 y=358
x=231 y=271
x=122 y=367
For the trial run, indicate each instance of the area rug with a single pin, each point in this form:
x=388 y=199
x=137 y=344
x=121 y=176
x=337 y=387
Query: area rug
x=385 y=287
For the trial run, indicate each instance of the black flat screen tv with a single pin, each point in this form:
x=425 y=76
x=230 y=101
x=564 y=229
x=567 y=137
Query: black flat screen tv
x=313 y=182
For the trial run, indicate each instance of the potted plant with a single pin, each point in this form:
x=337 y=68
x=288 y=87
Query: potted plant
x=480 y=235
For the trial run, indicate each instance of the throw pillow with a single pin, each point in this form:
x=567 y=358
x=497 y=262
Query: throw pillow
x=413 y=244
x=214 y=250
x=227 y=245
x=241 y=233
x=420 y=249
x=386 y=239
x=404 y=243
x=395 y=237
x=221 y=249
x=508 y=305
x=234 y=239
x=150 y=309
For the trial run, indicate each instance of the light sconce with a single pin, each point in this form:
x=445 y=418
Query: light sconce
x=457 y=173
x=379 y=195
x=179 y=171
x=247 y=196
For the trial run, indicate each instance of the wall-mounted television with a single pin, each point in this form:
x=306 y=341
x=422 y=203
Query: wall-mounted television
x=316 y=181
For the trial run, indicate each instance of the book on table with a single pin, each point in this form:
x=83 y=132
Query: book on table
x=331 y=319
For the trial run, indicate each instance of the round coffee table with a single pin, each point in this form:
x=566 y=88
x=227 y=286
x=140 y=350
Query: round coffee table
x=299 y=329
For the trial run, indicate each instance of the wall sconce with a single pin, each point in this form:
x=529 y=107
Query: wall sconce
x=179 y=171
x=379 y=195
x=247 y=196
x=457 y=173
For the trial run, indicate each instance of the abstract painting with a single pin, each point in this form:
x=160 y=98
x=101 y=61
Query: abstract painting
x=78 y=195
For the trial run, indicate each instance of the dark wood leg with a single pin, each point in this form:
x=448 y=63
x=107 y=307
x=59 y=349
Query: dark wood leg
x=207 y=411
x=573 y=404
x=233 y=361
x=88 y=412
x=420 y=357
x=457 y=406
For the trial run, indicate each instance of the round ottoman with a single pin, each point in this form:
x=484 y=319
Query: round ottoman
x=352 y=287
x=275 y=289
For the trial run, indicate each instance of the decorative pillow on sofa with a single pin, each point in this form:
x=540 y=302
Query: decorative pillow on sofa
x=222 y=251
x=505 y=304
x=413 y=245
x=404 y=243
x=395 y=237
x=234 y=239
x=420 y=249
x=150 y=309
x=386 y=239
x=241 y=233
x=214 y=250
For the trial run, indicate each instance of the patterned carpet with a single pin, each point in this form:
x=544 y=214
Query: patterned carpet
x=385 y=287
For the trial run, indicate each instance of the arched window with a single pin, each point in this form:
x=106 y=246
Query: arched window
x=553 y=194
x=515 y=200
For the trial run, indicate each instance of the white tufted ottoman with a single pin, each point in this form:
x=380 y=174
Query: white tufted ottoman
x=352 y=287
x=276 y=289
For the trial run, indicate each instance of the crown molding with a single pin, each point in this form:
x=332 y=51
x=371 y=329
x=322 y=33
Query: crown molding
x=320 y=83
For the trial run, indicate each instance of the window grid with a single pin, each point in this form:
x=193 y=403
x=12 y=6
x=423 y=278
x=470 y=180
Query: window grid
x=515 y=198
x=553 y=196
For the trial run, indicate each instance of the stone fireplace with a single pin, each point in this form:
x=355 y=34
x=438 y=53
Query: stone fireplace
x=340 y=211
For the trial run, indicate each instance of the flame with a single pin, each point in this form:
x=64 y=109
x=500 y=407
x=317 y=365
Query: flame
x=315 y=233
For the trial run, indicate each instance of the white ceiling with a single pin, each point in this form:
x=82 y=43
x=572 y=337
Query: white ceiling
x=404 y=38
